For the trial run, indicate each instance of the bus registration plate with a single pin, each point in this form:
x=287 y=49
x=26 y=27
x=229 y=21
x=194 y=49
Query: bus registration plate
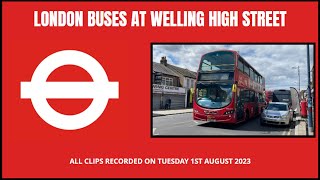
x=211 y=118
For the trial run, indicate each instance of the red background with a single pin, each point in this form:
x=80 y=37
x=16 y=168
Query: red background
x=32 y=148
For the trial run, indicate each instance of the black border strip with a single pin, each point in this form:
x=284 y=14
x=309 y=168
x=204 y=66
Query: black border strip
x=160 y=1
x=235 y=43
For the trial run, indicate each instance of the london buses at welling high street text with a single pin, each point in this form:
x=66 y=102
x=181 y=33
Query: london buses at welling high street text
x=159 y=18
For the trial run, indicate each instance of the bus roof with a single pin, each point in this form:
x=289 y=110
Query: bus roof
x=281 y=91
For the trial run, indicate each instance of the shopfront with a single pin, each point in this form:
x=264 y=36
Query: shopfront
x=161 y=94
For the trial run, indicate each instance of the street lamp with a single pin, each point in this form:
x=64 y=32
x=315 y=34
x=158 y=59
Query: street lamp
x=297 y=67
x=310 y=119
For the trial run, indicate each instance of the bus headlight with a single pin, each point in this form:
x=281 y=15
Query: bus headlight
x=229 y=112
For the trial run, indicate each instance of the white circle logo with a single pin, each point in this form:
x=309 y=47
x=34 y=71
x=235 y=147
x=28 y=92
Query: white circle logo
x=100 y=90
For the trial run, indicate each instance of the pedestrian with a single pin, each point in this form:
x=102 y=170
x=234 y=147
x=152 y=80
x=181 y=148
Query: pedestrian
x=169 y=103
x=166 y=106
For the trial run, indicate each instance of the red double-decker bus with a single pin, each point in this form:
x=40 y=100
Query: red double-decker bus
x=268 y=95
x=228 y=89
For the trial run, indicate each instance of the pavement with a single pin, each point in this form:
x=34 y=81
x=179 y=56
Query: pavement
x=301 y=126
x=300 y=122
x=171 y=112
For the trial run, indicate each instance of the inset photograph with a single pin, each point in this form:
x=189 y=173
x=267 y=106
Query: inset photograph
x=233 y=90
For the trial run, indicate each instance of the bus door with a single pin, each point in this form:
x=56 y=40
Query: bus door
x=239 y=105
x=256 y=104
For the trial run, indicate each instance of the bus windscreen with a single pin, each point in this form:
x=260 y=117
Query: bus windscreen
x=213 y=95
x=282 y=96
x=220 y=60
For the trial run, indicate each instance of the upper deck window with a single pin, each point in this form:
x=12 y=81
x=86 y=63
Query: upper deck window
x=220 y=60
x=240 y=65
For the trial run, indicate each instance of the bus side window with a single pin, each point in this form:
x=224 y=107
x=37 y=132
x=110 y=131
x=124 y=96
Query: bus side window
x=248 y=96
x=240 y=65
x=252 y=96
x=246 y=69
x=241 y=95
x=256 y=98
x=245 y=96
x=259 y=97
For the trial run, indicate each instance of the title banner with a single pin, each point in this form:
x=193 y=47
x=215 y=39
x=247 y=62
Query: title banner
x=159 y=18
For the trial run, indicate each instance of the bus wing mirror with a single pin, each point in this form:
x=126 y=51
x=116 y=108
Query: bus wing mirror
x=234 y=88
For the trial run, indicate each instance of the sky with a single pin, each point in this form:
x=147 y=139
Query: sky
x=274 y=62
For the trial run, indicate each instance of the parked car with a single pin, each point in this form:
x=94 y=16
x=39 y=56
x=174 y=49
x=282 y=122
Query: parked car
x=278 y=113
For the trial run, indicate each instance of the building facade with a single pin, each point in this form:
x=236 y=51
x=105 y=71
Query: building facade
x=187 y=79
x=166 y=85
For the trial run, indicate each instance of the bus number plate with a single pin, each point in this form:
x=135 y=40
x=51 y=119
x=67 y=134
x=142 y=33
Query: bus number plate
x=210 y=118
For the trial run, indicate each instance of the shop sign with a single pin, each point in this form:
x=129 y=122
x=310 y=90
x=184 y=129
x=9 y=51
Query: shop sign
x=157 y=88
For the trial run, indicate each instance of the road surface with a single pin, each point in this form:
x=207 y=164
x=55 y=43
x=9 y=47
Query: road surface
x=183 y=125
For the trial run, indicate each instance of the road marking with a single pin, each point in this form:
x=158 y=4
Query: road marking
x=171 y=125
x=288 y=133
x=154 y=129
x=283 y=133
